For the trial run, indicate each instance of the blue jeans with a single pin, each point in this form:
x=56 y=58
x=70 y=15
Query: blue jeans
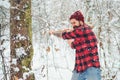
x=91 y=73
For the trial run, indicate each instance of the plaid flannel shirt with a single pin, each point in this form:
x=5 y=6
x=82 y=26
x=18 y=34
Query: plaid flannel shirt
x=85 y=43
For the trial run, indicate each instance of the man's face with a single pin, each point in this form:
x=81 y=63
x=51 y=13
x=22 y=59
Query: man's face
x=74 y=22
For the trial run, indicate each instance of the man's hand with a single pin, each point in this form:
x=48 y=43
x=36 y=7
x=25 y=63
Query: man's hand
x=56 y=33
x=51 y=32
x=70 y=41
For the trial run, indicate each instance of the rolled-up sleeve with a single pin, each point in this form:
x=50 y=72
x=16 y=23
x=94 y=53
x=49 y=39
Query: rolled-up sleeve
x=69 y=35
x=73 y=34
x=77 y=33
x=72 y=45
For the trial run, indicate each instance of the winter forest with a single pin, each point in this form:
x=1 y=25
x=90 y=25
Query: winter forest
x=28 y=52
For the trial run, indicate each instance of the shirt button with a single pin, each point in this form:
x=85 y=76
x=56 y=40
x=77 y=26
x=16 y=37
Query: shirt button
x=83 y=56
x=89 y=48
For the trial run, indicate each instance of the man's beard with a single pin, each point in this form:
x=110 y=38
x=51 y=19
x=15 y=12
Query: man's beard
x=76 y=27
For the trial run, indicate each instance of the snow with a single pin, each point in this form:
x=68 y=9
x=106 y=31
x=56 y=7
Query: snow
x=24 y=67
x=17 y=17
x=57 y=62
x=20 y=37
x=20 y=52
x=6 y=52
x=53 y=58
x=5 y=37
x=25 y=74
x=16 y=69
x=5 y=3
x=14 y=61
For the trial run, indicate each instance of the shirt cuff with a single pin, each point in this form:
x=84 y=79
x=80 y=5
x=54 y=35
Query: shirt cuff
x=63 y=35
x=72 y=45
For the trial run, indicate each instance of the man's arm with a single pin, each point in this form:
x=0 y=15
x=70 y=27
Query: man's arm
x=58 y=33
x=65 y=34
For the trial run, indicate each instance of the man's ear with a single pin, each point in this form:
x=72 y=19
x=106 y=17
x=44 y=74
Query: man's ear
x=81 y=23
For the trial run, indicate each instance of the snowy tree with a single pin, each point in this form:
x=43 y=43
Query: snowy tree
x=20 y=40
x=4 y=40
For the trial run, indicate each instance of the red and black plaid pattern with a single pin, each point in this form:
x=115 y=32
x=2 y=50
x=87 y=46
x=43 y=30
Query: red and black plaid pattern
x=85 y=43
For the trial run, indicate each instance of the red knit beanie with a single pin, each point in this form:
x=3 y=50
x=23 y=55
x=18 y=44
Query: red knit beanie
x=78 y=16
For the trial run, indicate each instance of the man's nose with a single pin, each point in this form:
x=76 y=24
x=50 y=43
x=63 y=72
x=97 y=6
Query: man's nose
x=73 y=25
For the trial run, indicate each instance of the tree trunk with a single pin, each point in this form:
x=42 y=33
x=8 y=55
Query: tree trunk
x=21 y=40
